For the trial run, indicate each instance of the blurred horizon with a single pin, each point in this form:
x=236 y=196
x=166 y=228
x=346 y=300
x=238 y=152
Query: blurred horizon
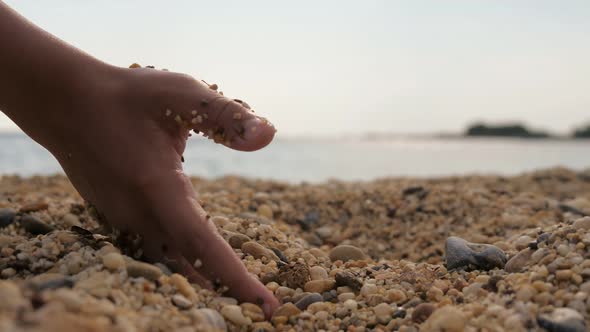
x=339 y=67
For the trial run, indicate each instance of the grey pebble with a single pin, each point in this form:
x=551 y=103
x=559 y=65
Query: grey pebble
x=6 y=217
x=304 y=302
x=34 y=225
x=65 y=282
x=563 y=320
x=461 y=254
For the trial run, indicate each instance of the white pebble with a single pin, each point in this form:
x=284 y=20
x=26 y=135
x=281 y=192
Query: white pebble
x=350 y=305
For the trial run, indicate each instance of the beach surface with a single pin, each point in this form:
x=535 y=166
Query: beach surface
x=470 y=253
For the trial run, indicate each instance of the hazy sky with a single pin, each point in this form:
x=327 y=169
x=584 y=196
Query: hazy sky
x=354 y=66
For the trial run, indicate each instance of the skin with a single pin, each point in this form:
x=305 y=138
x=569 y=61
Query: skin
x=110 y=130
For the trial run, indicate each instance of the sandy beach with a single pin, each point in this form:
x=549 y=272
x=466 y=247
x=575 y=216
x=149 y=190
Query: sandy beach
x=472 y=253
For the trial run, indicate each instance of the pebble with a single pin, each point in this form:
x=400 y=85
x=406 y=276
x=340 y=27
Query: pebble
x=350 y=304
x=183 y=286
x=113 y=261
x=34 y=225
x=318 y=273
x=137 y=269
x=461 y=254
x=305 y=301
x=422 y=312
x=319 y=286
x=252 y=311
x=563 y=320
x=209 y=320
x=445 y=319
x=582 y=223
x=181 y=301
x=346 y=253
x=383 y=310
x=348 y=279
x=233 y=313
x=34 y=207
x=70 y=220
x=11 y=296
x=59 y=281
x=265 y=211
x=294 y=275
x=369 y=289
x=236 y=240
x=519 y=261
x=8 y=272
x=6 y=217
x=287 y=310
x=258 y=251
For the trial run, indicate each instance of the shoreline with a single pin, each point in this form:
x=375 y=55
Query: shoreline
x=377 y=255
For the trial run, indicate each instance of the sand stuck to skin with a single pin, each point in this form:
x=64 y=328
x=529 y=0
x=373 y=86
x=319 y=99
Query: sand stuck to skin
x=339 y=256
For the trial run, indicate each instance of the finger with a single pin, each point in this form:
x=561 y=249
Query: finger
x=227 y=121
x=174 y=259
x=197 y=238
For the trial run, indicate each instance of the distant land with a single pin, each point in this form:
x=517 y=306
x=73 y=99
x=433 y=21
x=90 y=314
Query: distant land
x=519 y=130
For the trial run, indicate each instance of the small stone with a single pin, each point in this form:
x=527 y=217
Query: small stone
x=563 y=320
x=137 y=269
x=181 y=301
x=319 y=286
x=422 y=312
x=346 y=296
x=33 y=207
x=208 y=320
x=55 y=282
x=318 y=273
x=236 y=240
x=445 y=319
x=70 y=220
x=265 y=211
x=252 y=311
x=11 y=296
x=522 y=242
x=258 y=251
x=287 y=310
x=6 y=217
x=98 y=284
x=113 y=261
x=462 y=254
x=310 y=219
x=183 y=286
x=396 y=296
x=346 y=253
x=8 y=272
x=294 y=275
x=262 y=327
x=383 y=310
x=563 y=249
x=304 y=302
x=519 y=261
x=563 y=275
x=369 y=289
x=526 y=293
x=348 y=279
x=350 y=305
x=582 y=223
x=34 y=225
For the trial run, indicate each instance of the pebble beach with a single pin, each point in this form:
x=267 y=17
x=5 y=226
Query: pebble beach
x=469 y=253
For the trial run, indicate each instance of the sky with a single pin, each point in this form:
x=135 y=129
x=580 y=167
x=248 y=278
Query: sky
x=338 y=67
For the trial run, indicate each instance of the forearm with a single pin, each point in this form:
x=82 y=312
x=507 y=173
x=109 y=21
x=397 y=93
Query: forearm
x=40 y=75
